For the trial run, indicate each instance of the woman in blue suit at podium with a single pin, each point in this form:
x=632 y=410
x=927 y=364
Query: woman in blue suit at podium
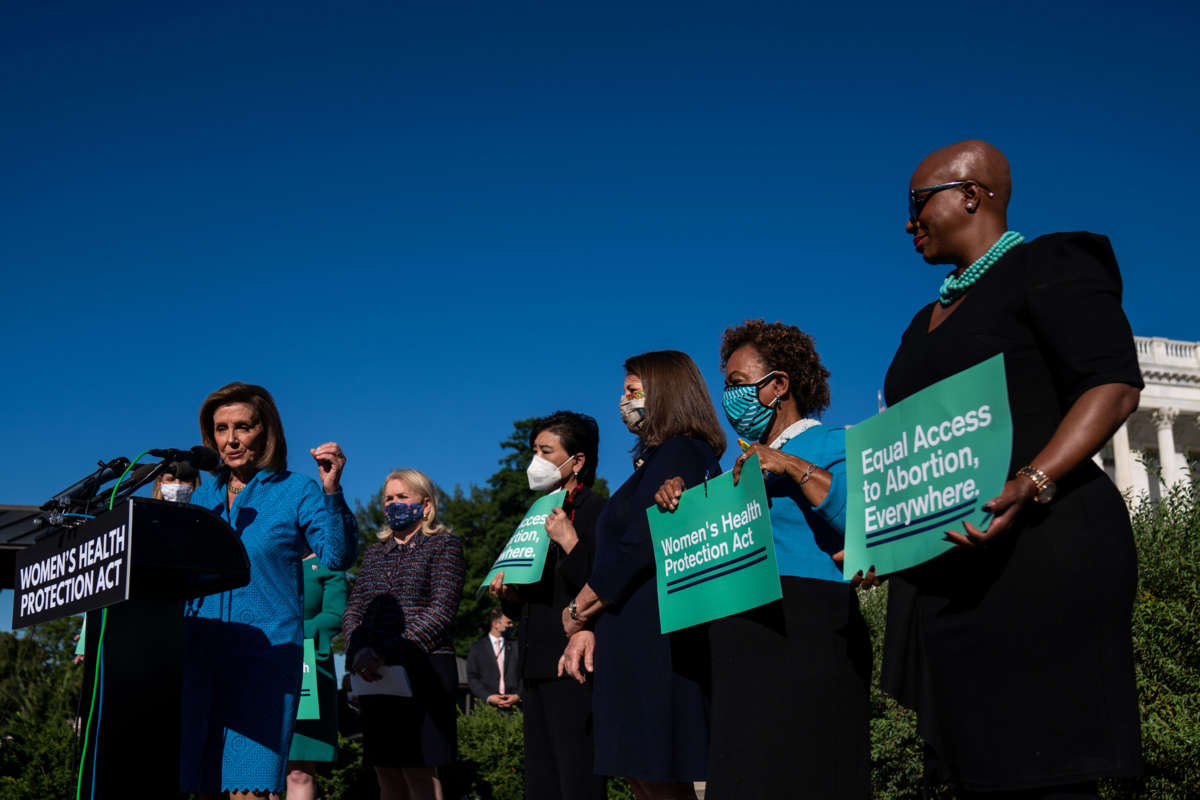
x=241 y=682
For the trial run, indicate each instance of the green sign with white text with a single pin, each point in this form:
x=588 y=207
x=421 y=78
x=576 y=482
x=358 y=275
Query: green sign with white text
x=714 y=555
x=310 y=707
x=524 y=556
x=924 y=466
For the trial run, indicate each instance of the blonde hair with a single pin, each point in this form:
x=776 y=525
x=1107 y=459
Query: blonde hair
x=156 y=490
x=420 y=483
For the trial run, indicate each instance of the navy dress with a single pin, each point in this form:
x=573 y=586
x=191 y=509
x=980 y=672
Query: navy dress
x=649 y=704
x=1017 y=656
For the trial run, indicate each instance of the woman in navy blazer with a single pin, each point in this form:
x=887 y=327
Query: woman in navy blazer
x=649 y=699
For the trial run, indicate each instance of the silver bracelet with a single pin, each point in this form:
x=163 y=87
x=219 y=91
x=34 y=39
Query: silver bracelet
x=807 y=474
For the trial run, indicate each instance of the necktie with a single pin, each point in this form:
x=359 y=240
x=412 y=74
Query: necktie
x=499 y=644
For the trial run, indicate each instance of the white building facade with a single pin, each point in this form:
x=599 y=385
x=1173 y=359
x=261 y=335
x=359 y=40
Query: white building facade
x=1160 y=442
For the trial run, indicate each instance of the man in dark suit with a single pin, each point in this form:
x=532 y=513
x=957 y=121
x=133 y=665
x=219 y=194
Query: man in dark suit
x=491 y=654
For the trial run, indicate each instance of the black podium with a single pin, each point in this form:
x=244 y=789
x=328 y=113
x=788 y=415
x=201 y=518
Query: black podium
x=156 y=555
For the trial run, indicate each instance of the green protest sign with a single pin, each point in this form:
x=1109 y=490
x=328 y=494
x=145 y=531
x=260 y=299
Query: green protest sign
x=309 y=707
x=925 y=466
x=714 y=555
x=524 y=557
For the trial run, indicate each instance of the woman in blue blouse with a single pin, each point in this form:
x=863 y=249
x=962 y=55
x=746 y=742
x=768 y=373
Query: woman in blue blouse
x=790 y=679
x=241 y=682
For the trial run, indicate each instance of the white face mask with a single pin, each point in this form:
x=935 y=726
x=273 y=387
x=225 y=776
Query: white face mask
x=543 y=475
x=176 y=492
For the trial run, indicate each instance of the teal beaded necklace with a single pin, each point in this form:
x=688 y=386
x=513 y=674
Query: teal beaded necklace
x=955 y=286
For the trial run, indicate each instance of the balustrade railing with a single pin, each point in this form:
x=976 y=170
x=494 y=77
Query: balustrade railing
x=1167 y=352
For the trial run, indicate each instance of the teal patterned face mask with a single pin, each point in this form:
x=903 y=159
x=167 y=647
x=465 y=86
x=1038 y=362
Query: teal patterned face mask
x=749 y=417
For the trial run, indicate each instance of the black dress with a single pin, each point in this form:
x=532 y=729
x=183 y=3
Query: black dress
x=791 y=679
x=649 y=702
x=557 y=711
x=1017 y=656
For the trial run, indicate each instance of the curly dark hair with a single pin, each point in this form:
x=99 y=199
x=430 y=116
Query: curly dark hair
x=788 y=349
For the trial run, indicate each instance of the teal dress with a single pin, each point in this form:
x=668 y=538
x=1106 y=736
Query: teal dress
x=325 y=592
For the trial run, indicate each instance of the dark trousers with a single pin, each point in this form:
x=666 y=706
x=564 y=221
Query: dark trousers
x=558 y=741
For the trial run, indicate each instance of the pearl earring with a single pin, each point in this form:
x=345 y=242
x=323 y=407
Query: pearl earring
x=970 y=206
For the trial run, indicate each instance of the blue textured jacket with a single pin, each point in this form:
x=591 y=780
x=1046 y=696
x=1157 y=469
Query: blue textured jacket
x=279 y=516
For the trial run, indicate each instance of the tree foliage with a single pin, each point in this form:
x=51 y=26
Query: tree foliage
x=39 y=692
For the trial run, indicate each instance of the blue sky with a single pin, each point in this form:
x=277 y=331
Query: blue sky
x=416 y=223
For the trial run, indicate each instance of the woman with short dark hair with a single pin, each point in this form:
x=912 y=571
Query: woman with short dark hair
x=648 y=702
x=558 y=710
x=244 y=646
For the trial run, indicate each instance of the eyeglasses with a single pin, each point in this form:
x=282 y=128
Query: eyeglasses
x=758 y=384
x=917 y=198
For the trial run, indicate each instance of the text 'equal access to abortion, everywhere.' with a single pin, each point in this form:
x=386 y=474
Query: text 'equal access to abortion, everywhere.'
x=924 y=466
x=523 y=557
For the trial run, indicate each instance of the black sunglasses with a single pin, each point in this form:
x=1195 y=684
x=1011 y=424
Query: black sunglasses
x=917 y=198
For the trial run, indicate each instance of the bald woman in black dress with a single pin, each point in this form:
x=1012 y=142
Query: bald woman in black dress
x=1015 y=647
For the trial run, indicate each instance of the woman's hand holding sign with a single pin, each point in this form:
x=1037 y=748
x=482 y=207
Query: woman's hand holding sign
x=1088 y=424
x=1005 y=506
x=667 y=496
x=770 y=460
x=859 y=581
x=813 y=481
x=561 y=530
x=503 y=591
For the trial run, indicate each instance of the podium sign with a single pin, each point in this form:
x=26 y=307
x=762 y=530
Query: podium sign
x=76 y=570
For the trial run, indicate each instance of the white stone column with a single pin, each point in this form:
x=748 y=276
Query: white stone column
x=1164 y=421
x=1123 y=459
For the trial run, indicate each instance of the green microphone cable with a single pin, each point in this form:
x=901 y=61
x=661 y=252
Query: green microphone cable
x=96 y=675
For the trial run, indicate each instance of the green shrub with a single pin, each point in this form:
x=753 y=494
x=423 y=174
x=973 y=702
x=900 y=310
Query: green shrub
x=491 y=754
x=346 y=779
x=491 y=758
x=1166 y=646
x=896 y=748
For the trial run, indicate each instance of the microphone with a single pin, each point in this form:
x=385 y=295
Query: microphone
x=85 y=487
x=199 y=457
x=182 y=470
